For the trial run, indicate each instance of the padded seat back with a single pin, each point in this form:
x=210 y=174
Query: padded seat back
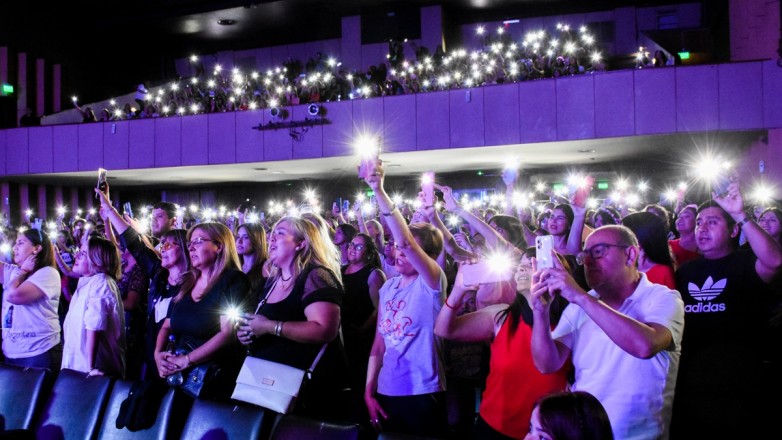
x=398 y=436
x=22 y=393
x=210 y=420
x=291 y=427
x=75 y=406
x=168 y=424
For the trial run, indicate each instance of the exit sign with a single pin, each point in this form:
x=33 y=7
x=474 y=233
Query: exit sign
x=7 y=89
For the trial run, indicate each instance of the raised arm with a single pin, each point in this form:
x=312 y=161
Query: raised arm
x=426 y=266
x=767 y=250
x=453 y=249
x=493 y=239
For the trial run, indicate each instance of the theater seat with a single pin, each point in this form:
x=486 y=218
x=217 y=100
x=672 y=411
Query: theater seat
x=75 y=406
x=22 y=393
x=210 y=420
x=168 y=424
x=292 y=427
x=398 y=436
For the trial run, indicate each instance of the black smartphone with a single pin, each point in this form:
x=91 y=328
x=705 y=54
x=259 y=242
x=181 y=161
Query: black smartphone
x=102 y=184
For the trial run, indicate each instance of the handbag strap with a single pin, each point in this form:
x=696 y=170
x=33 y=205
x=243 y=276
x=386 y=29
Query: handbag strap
x=317 y=359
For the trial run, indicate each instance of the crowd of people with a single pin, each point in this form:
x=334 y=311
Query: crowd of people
x=603 y=322
x=544 y=54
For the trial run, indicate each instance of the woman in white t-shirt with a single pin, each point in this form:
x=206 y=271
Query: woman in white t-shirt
x=31 y=295
x=94 y=328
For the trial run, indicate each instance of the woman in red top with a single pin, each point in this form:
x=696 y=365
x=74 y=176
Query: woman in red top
x=684 y=248
x=514 y=384
x=654 y=257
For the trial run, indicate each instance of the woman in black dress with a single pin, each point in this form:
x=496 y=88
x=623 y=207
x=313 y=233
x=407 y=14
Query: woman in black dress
x=299 y=312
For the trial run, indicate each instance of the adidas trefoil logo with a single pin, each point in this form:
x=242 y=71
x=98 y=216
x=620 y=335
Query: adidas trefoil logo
x=709 y=291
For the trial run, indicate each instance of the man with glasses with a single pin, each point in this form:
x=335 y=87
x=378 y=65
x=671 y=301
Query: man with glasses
x=729 y=380
x=623 y=336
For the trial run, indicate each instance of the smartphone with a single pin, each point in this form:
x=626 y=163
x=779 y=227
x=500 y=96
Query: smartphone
x=127 y=209
x=720 y=185
x=484 y=272
x=102 y=184
x=345 y=205
x=427 y=186
x=338 y=202
x=544 y=245
x=368 y=163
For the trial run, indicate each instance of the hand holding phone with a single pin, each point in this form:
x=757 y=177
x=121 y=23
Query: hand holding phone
x=720 y=185
x=427 y=187
x=103 y=185
x=368 y=162
x=544 y=245
x=485 y=272
x=127 y=209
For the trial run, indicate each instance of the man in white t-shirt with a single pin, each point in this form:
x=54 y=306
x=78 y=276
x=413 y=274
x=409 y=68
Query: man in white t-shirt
x=624 y=335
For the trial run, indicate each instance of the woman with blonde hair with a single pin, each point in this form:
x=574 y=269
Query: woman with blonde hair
x=94 y=328
x=199 y=315
x=299 y=312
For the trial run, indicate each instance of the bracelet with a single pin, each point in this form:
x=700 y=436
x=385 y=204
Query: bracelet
x=746 y=220
x=189 y=362
x=448 y=305
x=278 y=328
x=389 y=213
x=279 y=333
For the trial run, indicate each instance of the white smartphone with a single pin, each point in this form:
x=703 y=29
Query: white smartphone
x=484 y=272
x=544 y=245
x=427 y=187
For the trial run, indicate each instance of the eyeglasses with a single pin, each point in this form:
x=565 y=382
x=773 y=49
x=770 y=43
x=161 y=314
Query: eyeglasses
x=198 y=241
x=357 y=246
x=597 y=251
x=168 y=245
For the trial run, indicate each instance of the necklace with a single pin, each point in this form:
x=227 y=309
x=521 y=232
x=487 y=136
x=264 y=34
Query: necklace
x=283 y=278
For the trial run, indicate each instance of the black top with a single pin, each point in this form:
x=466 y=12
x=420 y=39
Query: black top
x=314 y=284
x=194 y=323
x=357 y=305
x=150 y=264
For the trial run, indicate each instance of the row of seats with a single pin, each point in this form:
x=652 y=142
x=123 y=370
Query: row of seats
x=36 y=404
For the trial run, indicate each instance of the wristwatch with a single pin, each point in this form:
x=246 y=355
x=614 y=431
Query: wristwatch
x=746 y=220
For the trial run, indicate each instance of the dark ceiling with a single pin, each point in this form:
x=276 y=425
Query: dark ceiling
x=107 y=47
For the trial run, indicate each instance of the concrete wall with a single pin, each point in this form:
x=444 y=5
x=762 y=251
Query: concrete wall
x=737 y=96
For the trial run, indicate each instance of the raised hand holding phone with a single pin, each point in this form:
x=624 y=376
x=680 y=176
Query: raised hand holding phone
x=103 y=184
x=427 y=188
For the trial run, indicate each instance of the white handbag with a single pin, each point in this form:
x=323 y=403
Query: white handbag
x=270 y=384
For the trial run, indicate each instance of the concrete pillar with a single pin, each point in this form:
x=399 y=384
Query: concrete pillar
x=5 y=200
x=24 y=204
x=21 y=85
x=75 y=202
x=432 y=27
x=766 y=152
x=56 y=88
x=3 y=65
x=351 y=41
x=754 y=29
x=43 y=206
x=40 y=86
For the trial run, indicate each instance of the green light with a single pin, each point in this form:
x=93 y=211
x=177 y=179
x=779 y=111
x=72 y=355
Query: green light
x=8 y=89
x=558 y=186
x=684 y=55
x=603 y=184
x=480 y=173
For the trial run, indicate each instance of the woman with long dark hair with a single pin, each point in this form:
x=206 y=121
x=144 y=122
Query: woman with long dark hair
x=253 y=253
x=654 y=259
x=31 y=296
x=513 y=384
x=575 y=415
x=362 y=278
